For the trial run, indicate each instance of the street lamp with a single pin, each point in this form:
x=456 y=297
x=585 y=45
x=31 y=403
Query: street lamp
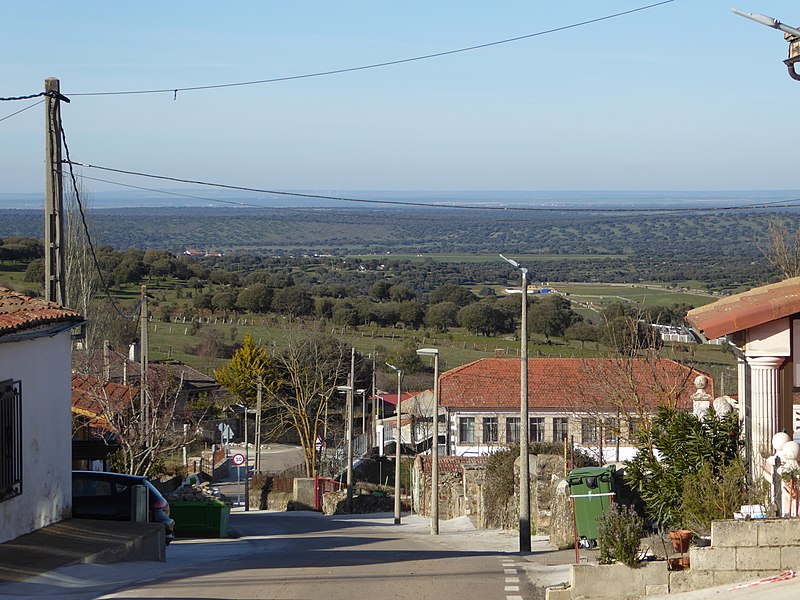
x=792 y=35
x=524 y=460
x=434 y=352
x=397 y=440
x=349 y=412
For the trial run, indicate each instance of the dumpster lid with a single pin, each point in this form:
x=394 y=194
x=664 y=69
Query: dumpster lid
x=576 y=475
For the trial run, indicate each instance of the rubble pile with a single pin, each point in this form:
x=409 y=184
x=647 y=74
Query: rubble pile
x=191 y=492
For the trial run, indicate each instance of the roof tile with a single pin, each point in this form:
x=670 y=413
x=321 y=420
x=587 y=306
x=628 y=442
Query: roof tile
x=19 y=312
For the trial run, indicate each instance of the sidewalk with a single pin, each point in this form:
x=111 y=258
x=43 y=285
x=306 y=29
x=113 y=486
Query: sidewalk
x=79 y=541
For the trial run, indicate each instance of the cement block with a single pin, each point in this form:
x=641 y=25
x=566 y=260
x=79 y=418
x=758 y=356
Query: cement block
x=790 y=557
x=758 y=559
x=734 y=534
x=727 y=577
x=656 y=590
x=654 y=573
x=712 y=559
x=687 y=581
x=779 y=532
x=558 y=593
x=617 y=580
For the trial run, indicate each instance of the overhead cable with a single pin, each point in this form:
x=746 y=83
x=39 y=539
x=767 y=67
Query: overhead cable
x=175 y=90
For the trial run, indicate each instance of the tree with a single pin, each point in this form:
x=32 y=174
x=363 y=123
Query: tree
x=249 y=365
x=293 y=301
x=551 y=316
x=442 y=316
x=450 y=292
x=148 y=435
x=782 y=250
x=411 y=313
x=482 y=318
x=406 y=358
x=380 y=291
x=583 y=331
x=256 y=298
x=306 y=375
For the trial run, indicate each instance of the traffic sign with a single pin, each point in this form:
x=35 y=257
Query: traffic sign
x=319 y=444
x=238 y=459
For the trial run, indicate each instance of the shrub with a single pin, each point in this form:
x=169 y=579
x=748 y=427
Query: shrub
x=620 y=532
x=713 y=495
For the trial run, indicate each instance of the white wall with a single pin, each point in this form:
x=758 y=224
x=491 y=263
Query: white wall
x=43 y=366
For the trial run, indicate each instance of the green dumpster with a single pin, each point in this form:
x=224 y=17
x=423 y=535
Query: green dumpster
x=200 y=519
x=592 y=491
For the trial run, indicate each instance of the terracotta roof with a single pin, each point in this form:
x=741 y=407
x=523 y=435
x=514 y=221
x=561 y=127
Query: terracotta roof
x=749 y=309
x=392 y=398
x=90 y=396
x=19 y=312
x=559 y=383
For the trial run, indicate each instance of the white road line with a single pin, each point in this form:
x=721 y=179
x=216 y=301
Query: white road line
x=511 y=588
x=510 y=571
x=513 y=597
x=512 y=579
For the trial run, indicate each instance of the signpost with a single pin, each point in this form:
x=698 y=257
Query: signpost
x=238 y=461
x=226 y=433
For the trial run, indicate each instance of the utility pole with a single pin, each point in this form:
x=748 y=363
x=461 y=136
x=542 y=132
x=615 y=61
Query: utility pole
x=350 y=393
x=397 y=439
x=258 y=427
x=524 y=458
x=372 y=437
x=143 y=360
x=54 y=284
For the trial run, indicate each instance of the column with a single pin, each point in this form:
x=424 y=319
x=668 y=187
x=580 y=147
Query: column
x=765 y=395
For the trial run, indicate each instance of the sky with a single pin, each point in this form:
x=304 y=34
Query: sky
x=683 y=96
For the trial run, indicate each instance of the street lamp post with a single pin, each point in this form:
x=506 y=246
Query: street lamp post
x=350 y=388
x=524 y=460
x=398 y=438
x=434 y=352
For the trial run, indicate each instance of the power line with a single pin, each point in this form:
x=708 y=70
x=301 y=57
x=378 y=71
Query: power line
x=86 y=230
x=688 y=209
x=27 y=97
x=21 y=110
x=390 y=63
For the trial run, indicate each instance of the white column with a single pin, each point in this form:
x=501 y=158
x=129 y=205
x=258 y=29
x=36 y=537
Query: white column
x=765 y=396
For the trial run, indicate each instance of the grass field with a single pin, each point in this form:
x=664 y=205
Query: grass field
x=485 y=258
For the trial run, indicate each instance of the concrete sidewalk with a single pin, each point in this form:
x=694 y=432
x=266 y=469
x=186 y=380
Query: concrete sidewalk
x=79 y=541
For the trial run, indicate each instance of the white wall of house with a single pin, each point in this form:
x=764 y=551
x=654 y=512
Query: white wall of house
x=43 y=366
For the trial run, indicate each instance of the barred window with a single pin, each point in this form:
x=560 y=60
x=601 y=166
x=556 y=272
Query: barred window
x=489 y=430
x=560 y=429
x=466 y=430
x=512 y=430
x=589 y=431
x=536 y=429
x=10 y=439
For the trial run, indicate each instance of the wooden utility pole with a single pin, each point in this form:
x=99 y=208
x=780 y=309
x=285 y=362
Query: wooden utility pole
x=54 y=284
x=350 y=392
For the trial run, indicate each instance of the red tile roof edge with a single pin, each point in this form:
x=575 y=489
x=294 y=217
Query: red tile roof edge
x=19 y=312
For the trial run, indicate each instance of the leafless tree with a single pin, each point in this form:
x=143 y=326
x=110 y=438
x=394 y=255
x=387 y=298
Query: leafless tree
x=782 y=249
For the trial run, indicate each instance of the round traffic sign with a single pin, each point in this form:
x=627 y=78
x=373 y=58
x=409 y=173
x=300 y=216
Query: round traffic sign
x=238 y=459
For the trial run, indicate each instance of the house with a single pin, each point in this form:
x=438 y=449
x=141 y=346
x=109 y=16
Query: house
x=595 y=402
x=416 y=423
x=93 y=439
x=763 y=329
x=35 y=455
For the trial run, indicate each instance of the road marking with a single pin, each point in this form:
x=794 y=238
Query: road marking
x=511 y=588
x=513 y=597
x=512 y=579
x=510 y=571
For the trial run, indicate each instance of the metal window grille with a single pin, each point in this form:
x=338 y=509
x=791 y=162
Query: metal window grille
x=490 y=430
x=10 y=439
x=589 y=431
x=536 y=429
x=466 y=429
x=512 y=430
x=560 y=430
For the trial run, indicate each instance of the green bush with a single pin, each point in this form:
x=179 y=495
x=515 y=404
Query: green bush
x=711 y=495
x=620 y=532
x=672 y=451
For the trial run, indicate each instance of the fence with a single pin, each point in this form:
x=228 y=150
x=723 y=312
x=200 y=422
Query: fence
x=322 y=485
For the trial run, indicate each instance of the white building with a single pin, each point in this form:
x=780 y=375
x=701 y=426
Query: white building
x=35 y=418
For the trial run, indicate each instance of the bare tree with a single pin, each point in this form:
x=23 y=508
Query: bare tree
x=782 y=250
x=82 y=278
x=145 y=437
x=309 y=367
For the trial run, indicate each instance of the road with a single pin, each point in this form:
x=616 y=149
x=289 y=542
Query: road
x=304 y=555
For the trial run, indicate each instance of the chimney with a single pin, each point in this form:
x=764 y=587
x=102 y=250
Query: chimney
x=499 y=352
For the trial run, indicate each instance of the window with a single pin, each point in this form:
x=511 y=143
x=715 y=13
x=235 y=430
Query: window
x=466 y=430
x=560 y=431
x=588 y=431
x=634 y=427
x=10 y=439
x=610 y=431
x=490 y=430
x=512 y=430
x=536 y=429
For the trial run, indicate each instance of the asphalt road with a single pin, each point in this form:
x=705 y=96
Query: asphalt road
x=297 y=556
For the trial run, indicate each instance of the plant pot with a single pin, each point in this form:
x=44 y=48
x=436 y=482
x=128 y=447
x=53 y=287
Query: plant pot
x=703 y=542
x=681 y=538
x=678 y=564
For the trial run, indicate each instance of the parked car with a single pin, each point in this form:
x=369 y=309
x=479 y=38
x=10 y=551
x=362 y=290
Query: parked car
x=100 y=495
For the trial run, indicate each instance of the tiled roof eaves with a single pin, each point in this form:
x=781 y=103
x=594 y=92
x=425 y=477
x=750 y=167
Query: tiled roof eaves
x=19 y=312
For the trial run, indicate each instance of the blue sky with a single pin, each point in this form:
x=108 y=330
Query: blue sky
x=685 y=96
